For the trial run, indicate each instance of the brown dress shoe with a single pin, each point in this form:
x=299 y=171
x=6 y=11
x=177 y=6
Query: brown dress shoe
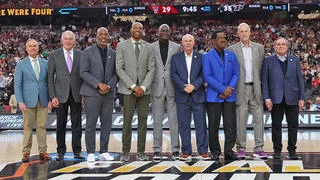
x=25 y=157
x=45 y=156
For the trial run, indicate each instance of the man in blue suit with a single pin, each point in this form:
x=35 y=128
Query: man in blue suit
x=221 y=72
x=186 y=75
x=283 y=91
x=31 y=90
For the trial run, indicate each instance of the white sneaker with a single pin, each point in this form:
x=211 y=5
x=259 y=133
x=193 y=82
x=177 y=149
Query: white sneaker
x=91 y=157
x=105 y=157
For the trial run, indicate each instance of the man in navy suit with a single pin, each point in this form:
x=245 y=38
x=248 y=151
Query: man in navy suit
x=283 y=91
x=31 y=90
x=221 y=72
x=186 y=75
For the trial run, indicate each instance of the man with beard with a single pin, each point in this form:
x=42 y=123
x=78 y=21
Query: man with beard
x=97 y=69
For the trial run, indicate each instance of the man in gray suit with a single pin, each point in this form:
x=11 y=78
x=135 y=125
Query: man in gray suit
x=97 y=69
x=250 y=57
x=135 y=67
x=163 y=93
x=64 y=84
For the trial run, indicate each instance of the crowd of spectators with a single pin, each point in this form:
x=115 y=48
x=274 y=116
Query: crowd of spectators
x=99 y=3
x=304 y=38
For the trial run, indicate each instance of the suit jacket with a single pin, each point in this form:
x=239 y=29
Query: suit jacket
x=257 y=61
x=179 y=76
x=28 y=89
x=276 y=85
x=162 y=77
x=219 y=75
x=92 y=72
x=130 y=71
x=60 y=80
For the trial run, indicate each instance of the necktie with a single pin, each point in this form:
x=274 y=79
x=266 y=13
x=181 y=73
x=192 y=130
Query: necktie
x=69 y=62
x=36 y=68
x=137 y=50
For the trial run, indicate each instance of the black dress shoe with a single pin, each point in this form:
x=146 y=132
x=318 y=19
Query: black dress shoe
x=230 y=157
x=293 y=155
x=60 y=157
x=277 y=155
x=78 y=156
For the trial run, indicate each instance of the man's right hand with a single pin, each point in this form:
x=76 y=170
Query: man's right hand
x=55 y=102
x=228 y=91
x=269 y=104
x=138 y=91
x=22 y=106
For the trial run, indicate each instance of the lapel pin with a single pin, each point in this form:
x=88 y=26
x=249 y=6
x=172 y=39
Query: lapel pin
x=290 y=59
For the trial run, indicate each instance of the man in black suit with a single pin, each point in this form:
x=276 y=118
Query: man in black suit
x=64 y=84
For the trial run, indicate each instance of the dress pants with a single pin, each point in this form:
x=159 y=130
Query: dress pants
x=62 y=119
x=228 y=111
x=31 y=116
x=197 y=110
x=158 y=108
x=98 y=106
x=277 y=113
x=130 y=102
x=250 y=102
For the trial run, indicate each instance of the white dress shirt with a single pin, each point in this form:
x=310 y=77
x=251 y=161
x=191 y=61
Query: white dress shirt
x=247 y=55
x=188 y=61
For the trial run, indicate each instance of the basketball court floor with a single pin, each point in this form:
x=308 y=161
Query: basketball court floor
x=306 y=168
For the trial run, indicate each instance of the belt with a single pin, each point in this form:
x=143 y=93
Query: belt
x=249 y=83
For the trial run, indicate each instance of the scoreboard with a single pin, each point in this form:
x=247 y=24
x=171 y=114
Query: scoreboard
x=159 y=10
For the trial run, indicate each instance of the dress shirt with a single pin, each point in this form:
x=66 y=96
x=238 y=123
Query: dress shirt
x=188 y=61
x=247 y=55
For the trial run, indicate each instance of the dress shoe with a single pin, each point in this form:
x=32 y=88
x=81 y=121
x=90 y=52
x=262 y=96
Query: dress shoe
x=25 y=157
x=78 y=156
x=230 y=157
x=45 y=156
x=277 y=155
x=175 y=156
x=293 y=155
x=60 y=157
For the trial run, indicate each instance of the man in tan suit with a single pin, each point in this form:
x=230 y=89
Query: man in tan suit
x=250 y=57
x=135 y=68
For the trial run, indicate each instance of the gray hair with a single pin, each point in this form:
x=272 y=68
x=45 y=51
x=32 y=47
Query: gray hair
x=68 y=32
x=164 y=25
x=243 y=24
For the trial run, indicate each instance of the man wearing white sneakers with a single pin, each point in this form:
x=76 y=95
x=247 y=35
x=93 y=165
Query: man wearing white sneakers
x=97 y=69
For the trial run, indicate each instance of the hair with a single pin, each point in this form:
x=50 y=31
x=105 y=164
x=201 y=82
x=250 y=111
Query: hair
x=133 y=24
x=275 y=41
x=187 y=35
x=164 y=25
x=243 y=24
x=31 y=39
x=214 y=33
x=104 y=28
x=68 y=32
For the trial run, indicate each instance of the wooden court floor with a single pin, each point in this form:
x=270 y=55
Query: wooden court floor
x=11 y=142
x=307 y=167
